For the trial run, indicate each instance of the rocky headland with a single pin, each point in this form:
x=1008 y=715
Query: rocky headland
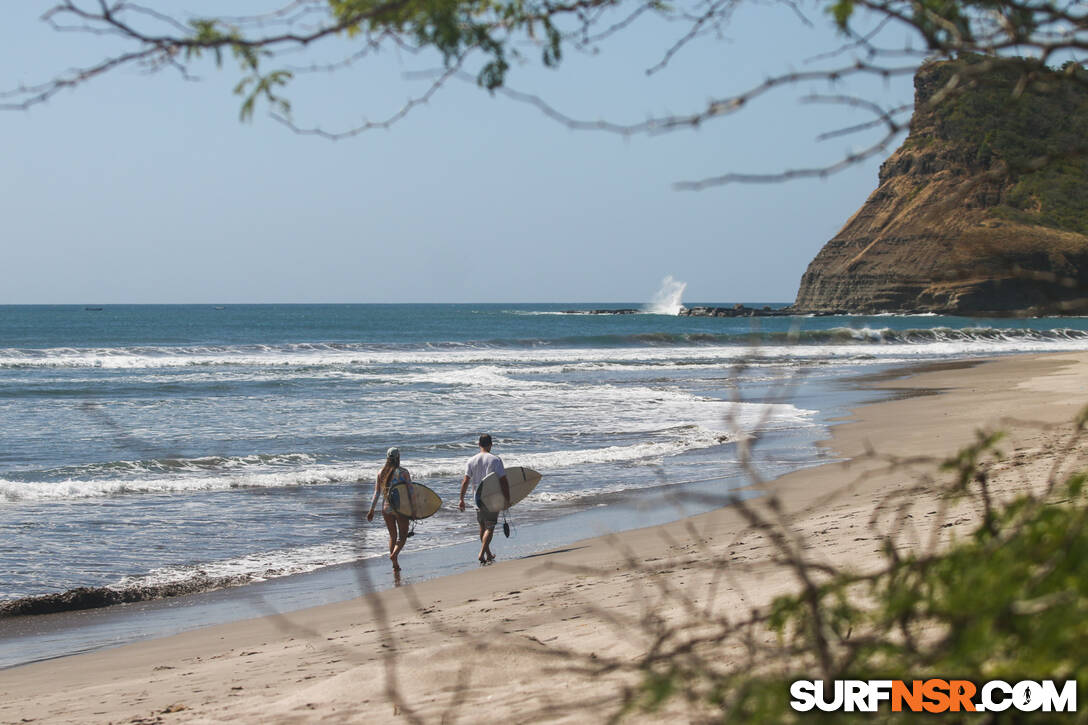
x=983 y=210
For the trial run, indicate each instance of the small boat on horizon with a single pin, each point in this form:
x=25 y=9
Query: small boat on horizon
x=93 y=309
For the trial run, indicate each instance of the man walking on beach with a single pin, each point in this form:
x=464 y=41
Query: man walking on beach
x=480 y=466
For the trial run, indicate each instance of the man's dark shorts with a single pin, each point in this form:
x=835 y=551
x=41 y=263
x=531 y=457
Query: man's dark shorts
x=487 y=519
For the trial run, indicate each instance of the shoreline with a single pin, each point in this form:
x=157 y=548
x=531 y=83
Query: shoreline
x=78 y=630
x=334 y=662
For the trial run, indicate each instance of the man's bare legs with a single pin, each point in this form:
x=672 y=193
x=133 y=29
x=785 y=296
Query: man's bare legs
x=486 y=533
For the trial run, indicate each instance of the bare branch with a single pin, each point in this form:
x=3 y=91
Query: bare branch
x=847 y=161
x=718 y=11
x=158 y=39
x=407 y=108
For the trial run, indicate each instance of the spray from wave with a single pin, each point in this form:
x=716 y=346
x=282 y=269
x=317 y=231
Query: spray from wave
x=668 y=299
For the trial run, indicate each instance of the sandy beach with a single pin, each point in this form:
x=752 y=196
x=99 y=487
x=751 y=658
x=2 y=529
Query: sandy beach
x=535 y=639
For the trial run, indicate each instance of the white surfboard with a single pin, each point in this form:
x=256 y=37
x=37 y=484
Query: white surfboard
x=424 y=502
x=522 y=482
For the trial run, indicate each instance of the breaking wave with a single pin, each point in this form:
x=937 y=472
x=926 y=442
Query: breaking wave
x=318 y=355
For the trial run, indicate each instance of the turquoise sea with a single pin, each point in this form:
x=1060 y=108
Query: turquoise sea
x=158 y=449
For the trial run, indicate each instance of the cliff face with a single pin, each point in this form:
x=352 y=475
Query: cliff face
x=965 y=219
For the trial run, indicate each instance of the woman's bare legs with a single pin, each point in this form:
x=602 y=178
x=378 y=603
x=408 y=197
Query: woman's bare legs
x=398 y=535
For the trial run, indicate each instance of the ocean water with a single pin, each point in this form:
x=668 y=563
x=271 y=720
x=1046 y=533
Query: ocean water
x=158 y=448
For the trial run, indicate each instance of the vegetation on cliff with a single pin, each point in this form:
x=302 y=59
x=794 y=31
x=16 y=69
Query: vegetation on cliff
x=1038 y=132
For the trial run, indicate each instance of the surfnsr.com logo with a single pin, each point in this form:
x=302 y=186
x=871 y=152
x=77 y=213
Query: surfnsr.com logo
x=933 y=695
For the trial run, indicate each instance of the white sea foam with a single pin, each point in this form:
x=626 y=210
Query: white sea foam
x=15 y=491
x=134 y=468
x=545 y=496
x=668 y=300
x=698 y=438
x=721 y=421
x=483 y=377
x=255 y=567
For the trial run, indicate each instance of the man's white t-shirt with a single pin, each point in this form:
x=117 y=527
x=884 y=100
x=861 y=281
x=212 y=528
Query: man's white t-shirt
x=481 y=465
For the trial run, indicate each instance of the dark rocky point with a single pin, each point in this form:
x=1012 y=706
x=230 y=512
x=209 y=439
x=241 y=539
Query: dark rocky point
x=737 y=310
x=96 y=597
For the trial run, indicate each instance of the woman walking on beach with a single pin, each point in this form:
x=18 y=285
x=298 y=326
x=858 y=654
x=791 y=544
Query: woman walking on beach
x=390 y=475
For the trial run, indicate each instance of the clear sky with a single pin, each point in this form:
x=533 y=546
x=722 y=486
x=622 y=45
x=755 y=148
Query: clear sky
x=140 y=188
